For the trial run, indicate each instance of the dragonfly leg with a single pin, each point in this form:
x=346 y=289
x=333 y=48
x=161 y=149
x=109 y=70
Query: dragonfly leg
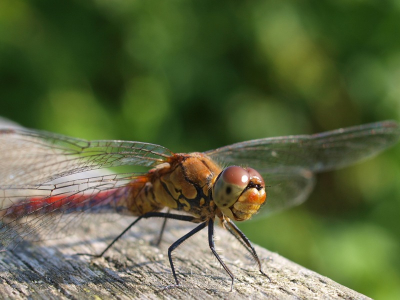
x=180 y=241
x=242 y=238
x=145 y=216
x=212 y=247
x=157 y=243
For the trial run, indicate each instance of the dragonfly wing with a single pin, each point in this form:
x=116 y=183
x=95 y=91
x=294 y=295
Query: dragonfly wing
x=53 y=210
x=286 y=187
x=287 y=163
x=318 y=152
x=29 y=156
x=50 y=183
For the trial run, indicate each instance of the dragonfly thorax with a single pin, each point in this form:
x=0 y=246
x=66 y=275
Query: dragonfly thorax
x=194 y=183
x=185 y=184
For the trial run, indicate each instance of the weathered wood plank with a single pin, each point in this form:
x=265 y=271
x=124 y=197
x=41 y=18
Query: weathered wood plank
x=134 y=268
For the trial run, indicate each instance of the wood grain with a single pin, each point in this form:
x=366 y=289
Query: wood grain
x=134 y=268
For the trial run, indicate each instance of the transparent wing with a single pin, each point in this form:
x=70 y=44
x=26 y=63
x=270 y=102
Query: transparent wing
x=53 y=210
x=287 y=163
x=318 y=152
x=50 y=183
x=286 y=187
x=30 y=157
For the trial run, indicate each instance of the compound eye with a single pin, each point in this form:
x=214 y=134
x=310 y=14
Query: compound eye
x=229 y=185
x=255 y=177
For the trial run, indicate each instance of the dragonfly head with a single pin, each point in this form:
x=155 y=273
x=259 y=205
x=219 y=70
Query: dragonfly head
x=239 y=192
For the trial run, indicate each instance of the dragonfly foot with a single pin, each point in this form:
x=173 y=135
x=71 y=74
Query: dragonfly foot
x=88 y=254
x=269 y=278
x=156 y=243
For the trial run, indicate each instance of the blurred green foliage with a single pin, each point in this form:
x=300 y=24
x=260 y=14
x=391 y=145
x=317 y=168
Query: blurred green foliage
x=196 y=75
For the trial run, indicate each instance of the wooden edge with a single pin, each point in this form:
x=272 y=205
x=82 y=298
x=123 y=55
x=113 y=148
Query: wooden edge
x=134 y=268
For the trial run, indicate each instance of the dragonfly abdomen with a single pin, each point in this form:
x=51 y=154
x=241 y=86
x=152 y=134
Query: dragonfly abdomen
x=99 y=202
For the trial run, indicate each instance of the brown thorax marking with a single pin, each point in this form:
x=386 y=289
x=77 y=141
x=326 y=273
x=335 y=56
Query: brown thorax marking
x=186 y=184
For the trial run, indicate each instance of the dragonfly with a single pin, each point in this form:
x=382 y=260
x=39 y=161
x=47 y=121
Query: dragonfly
x=44 y=186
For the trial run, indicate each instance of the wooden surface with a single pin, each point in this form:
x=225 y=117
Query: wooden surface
x=134 y=268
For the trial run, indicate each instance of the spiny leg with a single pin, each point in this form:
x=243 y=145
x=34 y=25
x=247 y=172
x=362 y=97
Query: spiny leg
x=235 y=232
x=180 y=241
x=212 y=247
x=145 y=216
x=242 y=238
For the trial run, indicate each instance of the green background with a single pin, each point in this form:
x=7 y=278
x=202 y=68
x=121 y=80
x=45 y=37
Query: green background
x=196 y=75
